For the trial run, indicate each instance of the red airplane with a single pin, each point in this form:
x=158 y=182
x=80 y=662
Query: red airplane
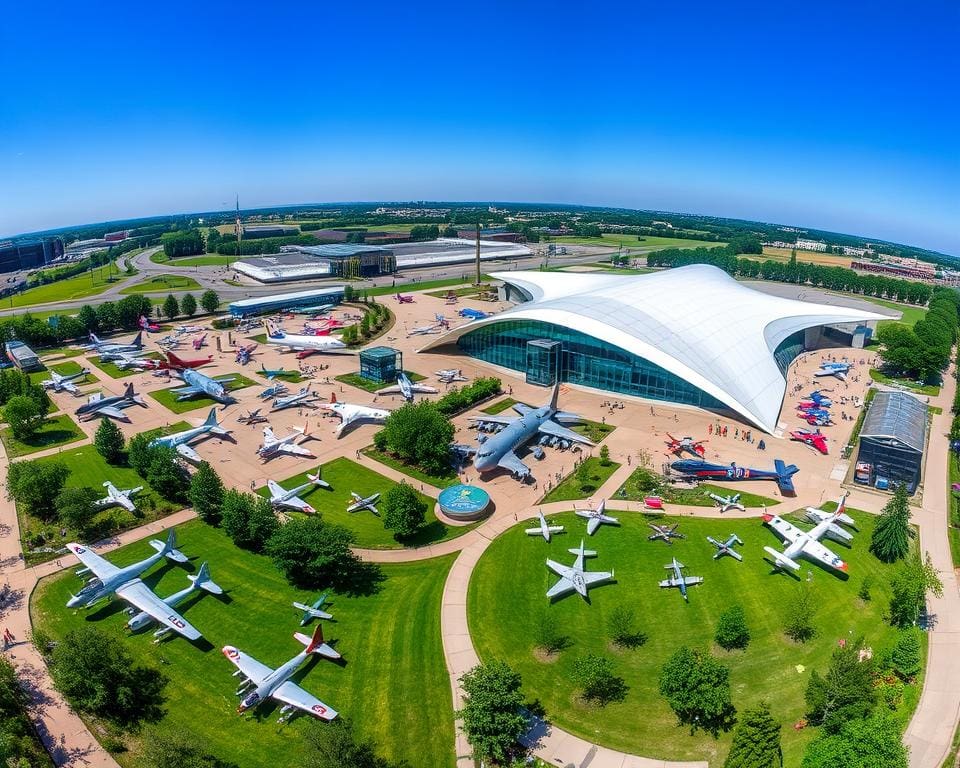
x=308 y=331
x=688 y=444
x=404 y=299
x=816 y=440
x=175 y=363
x=816 y=420
x=146 y=325
x=200 y=341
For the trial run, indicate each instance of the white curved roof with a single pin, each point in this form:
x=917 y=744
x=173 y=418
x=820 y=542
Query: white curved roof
x=696 y=322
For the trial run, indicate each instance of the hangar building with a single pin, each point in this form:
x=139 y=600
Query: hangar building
x=892 y=439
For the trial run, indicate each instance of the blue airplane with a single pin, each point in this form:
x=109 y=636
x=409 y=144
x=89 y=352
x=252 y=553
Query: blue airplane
x=818 y=399
x=473 y=314
x=704 y=470
x=838 y=370
x=275 y=391
x=817 y=413
x=272 y=373
x=201 y=384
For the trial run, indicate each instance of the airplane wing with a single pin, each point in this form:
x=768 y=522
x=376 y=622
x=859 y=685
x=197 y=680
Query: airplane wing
x=127 y=503
x=268 y=436
x=424 y=389
x=592 y=577
x=186 y=390
x=494 y=419
x=592 y=524
x=510 y=461
x=294 y=450
x=561 y=587
x=101 y=568
x=295 y=696
x=297 y=503
x=534 y=531
x=70 y=387
x=786 y=531
x=187 y=452
x=373 y=508
x=561 y=570
x=140 y=595
x=522 y=408
x=96 y=397
x=819 y=552
x=275 y=489
x=390 y=391
x=556 y=430
x=249 y=666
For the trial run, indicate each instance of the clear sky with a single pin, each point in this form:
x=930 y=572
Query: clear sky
x=839 y=115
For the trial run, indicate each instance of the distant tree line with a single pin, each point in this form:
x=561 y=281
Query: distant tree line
x=923 y=351
x=188 y=243
x=228 y=246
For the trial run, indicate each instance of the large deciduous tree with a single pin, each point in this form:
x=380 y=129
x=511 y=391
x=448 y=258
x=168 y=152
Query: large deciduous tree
x=756 y=740
x=76 y=507
x=36 y=484
x=403 y=510
x=845 y=692
x=915 y=577
x=206 y=493
x=24 y=415
x=210 y=301
x=109 y=441
x=697 y=688
x=491 y=714
x=420 y=434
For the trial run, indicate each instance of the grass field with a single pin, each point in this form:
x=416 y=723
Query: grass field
x=920 y=389
x=506 y=600
x=500 y=406
x=79 y=287
x=66 y=368
x=911 y=314
x=207 y=260
x=810 y=257
x=393 y=684
x=594 y=431
x=954 y=519
x=163 y=284
x=58 y=430
x=367 y=385
x=413 y=472
x=569 y=488
x=112 y=371
x=346 y=475
x=168 y=399
x=646 y=242
x=422 y=285
x=636 y=488
x=46 y=354
x=461 y=292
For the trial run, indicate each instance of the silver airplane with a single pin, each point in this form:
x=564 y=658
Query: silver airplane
x=726 y=503
x=312 y=611
x=283 y=499
x=423 y=330
x=544 y=529
x=201 y=582
x=450 y=375
x=252 y=417
x=296 y=400
x=727 y=547
x=201 y=384
x=833 y=531
x=96 y=344
x=98 y=405
x=499 y=450
x=665 y=532
x=575 y=578
x=677 y=579
x=799 y=542
x=180 y=440
x=595 y=517
x=118 y=498
x=60 y=383
x=125 y=360
x=274 y=390
x=275 y=446
x=275 y=683
x=361 y=503
x=351 y=414
x=407 y=388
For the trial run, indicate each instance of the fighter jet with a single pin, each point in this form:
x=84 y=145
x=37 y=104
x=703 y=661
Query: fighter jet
x=838 y=370
x=686 y=445
x=800 y=542
x=200 y=341
x=60 y=383
x=252 y=417
x=595 y=517
x=499 y=449
x=201 y=384
x=201 y=582
x=353 y=414
x=274 y=446
x=727 y=503
x=575 y=578
x=181 y=440
x=126 y=360
x=115 y=346
x=424 y=330
x=450 y=375
x=282 y=499
x=816 y=439
x=407 y=388
x=544 y=529
x=677 y=579
x=404 y=299
x=118 y=498
x=665 y=532
x=361 y=502
x=311 y=612
x=296 y=400
x=274 y=390
x=726 y=547
x=303 y=343
x=272 y=373
x=98 y=405
x=275 y=683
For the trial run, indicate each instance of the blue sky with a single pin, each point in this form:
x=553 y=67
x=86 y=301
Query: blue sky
x=839 y=116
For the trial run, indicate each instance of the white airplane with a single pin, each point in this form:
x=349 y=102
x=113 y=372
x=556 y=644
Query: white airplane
x=595 y=517
x=302 y=343
x=407 y=388
x=201 y=581
x=115 y=346
x=118 y=498
x=303 y=397
x=544 y=529
x=180 y=440
x=274 y=446
x=726 y=503
x=726 y=547
x=834 y=531
x=575 y=578
x=124 y=360
x=60 y=383
x=353 y=414
x=450 y=375
x=360 y=503
x=275 y=683
x=423 y=330
x=282 y=499
x=800 y=542
x=677 y=579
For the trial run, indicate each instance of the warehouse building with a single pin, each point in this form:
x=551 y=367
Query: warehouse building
x=29 y=253
x=262 y=305
x=892 y=440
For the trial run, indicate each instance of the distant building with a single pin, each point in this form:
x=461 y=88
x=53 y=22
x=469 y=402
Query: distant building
x=810 y=245
x=116 y=237
x=262 y=305
x=851 y=251
x=269 y=230
x=29 y=253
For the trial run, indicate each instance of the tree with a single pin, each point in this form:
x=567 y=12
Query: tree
x=845 y=692
x=262 y=524
x=139 y=454
x=109 y=441
x=19 y=746
x=756 y=741
x=88 y=318
x=798 y=622
x=403 y=511
x=859 y=744
x=604 y=456
x=107 y=318
x=622 y=626
x=210 y=301
x=334 y=745
x=906 y=656
x=421 y=434
x=166 y=746
x=166 y=476
x=314 y=554
x=24 y=415
x=76 y=507
x=491 y=714
x=910 y=585
x=548 y=635
x=171 y=308
x=206 y=493
x=890 y=540
x=582 y=475
x=188 y=305
x=594 y=676
x=697 y=688
x=236 y=510
x=97 y=674
x=732 y=630
x=36 y=485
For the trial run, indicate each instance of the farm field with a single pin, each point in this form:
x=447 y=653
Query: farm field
x=810 y=257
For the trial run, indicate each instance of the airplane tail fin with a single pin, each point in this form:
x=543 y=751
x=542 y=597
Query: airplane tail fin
x=315 y=644
x=785 y=475
x=175 y=361
x=317 y=480
x=555 y=396
x=169 y=547
x=203 y=581
x=138 y=339
x=333 y=398
x=214 y=425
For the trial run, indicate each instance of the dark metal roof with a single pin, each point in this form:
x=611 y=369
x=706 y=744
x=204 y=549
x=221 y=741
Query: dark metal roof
x=897 y=415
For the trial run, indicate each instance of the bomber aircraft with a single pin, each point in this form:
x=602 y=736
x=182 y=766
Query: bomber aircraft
x=351 y=414
x=201 y=582
x=303 y=344
x=800 y=542
x=60 y=383
x=100 y=346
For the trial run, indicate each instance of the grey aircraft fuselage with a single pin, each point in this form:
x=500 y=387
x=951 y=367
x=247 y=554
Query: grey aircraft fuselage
x=511 y=437
x=96 y=589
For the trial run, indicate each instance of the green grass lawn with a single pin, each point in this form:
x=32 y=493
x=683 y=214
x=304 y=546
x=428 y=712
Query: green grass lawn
x=58 y=430
x=891 y=381
x=81 y=286
x=450 y=478
x=356 y=380
x=208 y=260
x=911 y=314
x=292 y=376
x=346 y=475
x=500 y=406
x=506 y=600
x=647 y=242
x=594 y=431
x=570 y=488
x=168 y=399
x=163 y=284
x=66 y=368
x=644 y=482
x=393 y=684
x=110 y=368
x=954 y=518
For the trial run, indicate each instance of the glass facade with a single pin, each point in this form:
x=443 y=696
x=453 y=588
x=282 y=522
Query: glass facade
x=380 y=364
x=787 y=351
x=583 y=360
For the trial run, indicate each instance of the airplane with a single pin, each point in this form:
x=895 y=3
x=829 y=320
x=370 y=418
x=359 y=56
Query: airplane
x=499 y=449
x=473 y=314
x=404 y=299
x=180 y=441
x=311 y=612
x=200 y=341
x=816 y=420
x=544 y=529
x=146 y=325
x=407 y=388
x=274 y=446
x=115 y=346
x=817 y=398
x=816 y=439
x=244 y=353
x=839 y=515
x=353 y=414
x=450 y=375
x=189 y=329
x=838 y=370
x=118 y=498
x=575 y=578
x=201 y=384
x=178 y=363
x=283 y=499
x=252 y=417
x=303 y=343
x=59 y=383
x=275 y=683
x=272 y=373
x=596 y=516
x=814 y=411
x=361 y=503
x=275 y=391
x=201 y=581
x=423 y=330
x=319 y=309
x=800 y=542
x=677 y=579
x=686 y=444
x=296 y=400
x=728 y=502
x=98 y=405
x=702 y=470
x=665 y=532
x=124 y=360
x=726 y=547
